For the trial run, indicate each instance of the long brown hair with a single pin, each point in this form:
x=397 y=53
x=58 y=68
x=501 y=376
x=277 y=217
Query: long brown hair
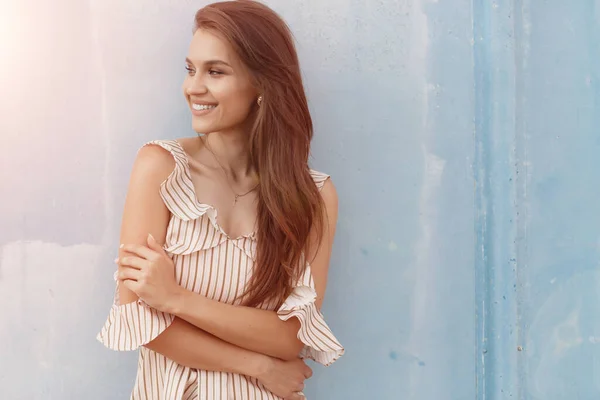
x=290 y=205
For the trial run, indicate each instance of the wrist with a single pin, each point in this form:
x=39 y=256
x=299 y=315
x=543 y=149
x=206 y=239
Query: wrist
x=259 y=365
x=175 y=304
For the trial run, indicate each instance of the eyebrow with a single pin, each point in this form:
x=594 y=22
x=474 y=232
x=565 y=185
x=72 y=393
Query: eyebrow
x=210 y=62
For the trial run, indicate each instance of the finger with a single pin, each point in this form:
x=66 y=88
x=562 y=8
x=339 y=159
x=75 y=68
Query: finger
x=131 y=261
x=154 y=245
x=128 y=273
x=139 y=250
x=308 y=372
x=297 y=396
x=131 y=285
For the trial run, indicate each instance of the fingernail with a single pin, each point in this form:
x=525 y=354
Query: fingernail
x=121 y=246
x=150 y=236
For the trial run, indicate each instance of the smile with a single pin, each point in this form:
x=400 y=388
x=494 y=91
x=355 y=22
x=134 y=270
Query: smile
x=202 y=107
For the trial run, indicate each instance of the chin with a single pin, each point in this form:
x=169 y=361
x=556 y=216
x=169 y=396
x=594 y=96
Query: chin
x=202 y=127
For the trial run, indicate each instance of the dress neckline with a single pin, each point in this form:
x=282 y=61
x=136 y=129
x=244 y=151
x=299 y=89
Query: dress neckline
x=213 y=214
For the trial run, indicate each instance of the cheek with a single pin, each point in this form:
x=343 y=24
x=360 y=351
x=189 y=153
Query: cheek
x=235 y=104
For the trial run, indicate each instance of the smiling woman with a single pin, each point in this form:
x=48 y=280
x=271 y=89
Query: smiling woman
x=229 y=305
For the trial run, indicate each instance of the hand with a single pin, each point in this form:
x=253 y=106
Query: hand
x=285 y=378
x=149 y=273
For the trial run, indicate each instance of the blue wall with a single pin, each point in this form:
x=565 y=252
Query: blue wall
x=537 y=85
x=463 y=137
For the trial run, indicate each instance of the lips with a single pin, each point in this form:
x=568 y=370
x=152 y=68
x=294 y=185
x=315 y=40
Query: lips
x=202 y=102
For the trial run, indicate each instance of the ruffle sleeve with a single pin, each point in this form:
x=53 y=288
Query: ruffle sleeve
x=320 y=344
x=132 y=325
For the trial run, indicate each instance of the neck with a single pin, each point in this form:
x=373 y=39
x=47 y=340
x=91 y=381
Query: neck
x=231 y=151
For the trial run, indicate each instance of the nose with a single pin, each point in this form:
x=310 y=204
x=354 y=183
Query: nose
x=196 y=86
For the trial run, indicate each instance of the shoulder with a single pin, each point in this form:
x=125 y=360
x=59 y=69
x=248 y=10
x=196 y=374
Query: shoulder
x=154 y=160
x=330 y=196
x=327 y=189
x=324 y=182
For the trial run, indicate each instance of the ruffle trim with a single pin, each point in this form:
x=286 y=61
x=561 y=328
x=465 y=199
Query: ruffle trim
x=320 y=344
x=132 y=325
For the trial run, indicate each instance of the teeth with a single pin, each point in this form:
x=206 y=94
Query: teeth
x=200 y=107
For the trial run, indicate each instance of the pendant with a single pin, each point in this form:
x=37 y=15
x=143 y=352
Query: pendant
x=235 y=200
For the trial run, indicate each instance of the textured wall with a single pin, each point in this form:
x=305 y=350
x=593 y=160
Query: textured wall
x=537 y=87
x=463 y=138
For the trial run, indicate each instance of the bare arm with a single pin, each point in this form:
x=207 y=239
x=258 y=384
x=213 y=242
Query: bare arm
x=144 y=213
x=191 y=347
x=254 y=329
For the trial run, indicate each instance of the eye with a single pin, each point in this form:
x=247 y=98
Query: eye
x=189 y=70
x=214 y=72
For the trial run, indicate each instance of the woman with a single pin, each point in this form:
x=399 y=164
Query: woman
x=229 y=306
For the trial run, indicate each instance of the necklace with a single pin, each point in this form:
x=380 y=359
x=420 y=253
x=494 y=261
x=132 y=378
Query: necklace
x=237 y=196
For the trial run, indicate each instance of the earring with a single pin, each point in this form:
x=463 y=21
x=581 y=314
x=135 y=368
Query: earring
x=259 y=100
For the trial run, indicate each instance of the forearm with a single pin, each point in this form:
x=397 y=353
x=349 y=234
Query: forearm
x=191 y=347
x=260 y=331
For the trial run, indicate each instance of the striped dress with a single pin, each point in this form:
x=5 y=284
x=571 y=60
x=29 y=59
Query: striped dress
x=209 y=262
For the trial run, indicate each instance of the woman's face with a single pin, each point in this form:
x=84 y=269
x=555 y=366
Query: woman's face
x=217 y=87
